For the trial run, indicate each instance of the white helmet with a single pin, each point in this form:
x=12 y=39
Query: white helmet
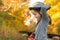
x=38 y=5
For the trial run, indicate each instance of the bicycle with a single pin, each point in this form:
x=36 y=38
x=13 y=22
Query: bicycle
x=31 y=35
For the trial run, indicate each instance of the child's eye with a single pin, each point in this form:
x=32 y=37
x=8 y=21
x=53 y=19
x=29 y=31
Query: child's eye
x=34 y=13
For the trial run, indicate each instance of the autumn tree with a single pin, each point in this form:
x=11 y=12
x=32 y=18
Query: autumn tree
x=54 y=13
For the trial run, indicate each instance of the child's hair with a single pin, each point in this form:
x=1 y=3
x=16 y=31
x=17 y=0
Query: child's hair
x=35 y=8
x=50 y=20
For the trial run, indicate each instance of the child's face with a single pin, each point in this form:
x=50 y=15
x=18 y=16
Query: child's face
x=36 y=14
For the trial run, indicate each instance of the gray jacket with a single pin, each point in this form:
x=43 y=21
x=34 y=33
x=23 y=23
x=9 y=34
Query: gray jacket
x=41 y=29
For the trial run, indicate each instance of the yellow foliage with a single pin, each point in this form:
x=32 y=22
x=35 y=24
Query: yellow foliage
x=6 y=2
x=19 y=9
x=54 y=13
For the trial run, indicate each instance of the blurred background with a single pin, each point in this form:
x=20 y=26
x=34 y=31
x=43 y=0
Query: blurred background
x=15 y=16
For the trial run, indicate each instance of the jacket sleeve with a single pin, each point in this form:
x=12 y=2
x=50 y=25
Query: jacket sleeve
x=44 y=14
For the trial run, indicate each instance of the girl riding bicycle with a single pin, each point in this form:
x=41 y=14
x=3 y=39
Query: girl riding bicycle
x=40 y=12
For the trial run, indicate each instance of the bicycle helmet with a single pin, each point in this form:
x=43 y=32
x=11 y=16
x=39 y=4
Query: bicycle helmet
x=39 y=5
